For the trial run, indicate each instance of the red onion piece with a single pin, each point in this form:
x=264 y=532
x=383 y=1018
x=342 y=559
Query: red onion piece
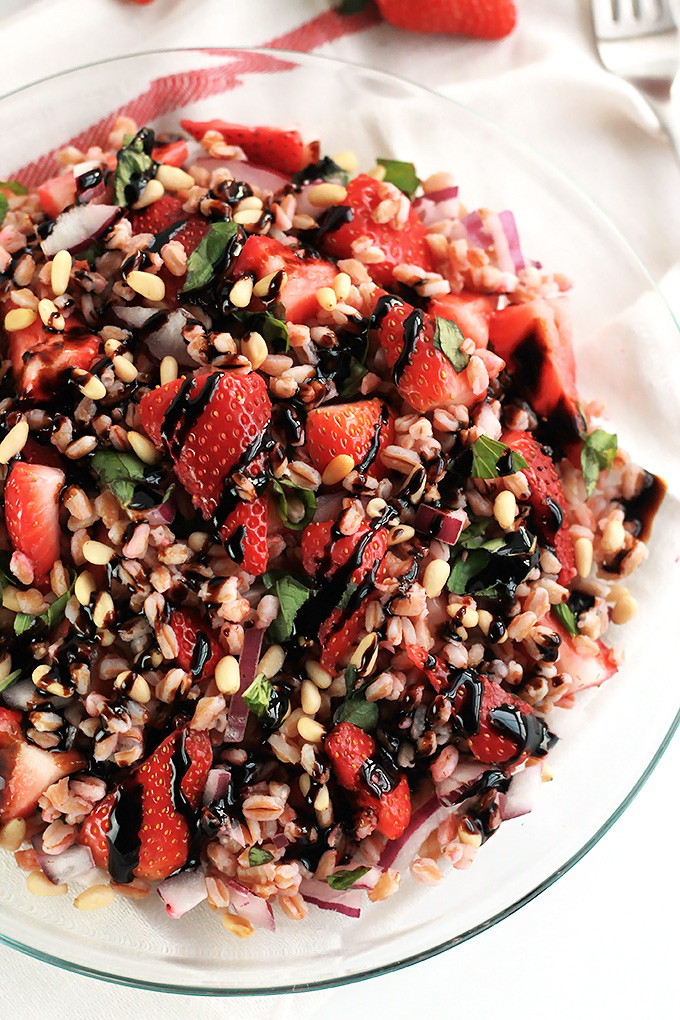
x=78 y=227
x=342 y=901
x=163 y=514
x=238 y=710
x=443 y=195
x=504 y=259
x=183 y=892
x=168 y=339
x=216 y=784
x=399 y=853
x=369 y=880
x=437 y=524
x=521 y=795
x=252 y=907
x=509 y=226
x=75 y=861
x=133 y=315
x=255 y=176
x=438 y=205
x=465 y=772
x=477 y=231
x=280 y=841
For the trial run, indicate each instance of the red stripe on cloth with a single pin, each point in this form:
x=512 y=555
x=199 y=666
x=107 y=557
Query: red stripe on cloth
x=325 y=28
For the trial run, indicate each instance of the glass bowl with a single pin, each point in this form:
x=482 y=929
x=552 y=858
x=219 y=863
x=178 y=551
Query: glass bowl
x=626 y=356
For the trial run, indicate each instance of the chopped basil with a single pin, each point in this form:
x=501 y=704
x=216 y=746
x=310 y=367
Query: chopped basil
x=306 y=497
x=135 y=167
x=49 y=619
x=15 y=188
x=448 y=338
x=23 y=622
x=493 y=567
x=257 y=856
x=91 y=254
x=204 y=261
x=402 y=175
x=273 y=330
x=345 y=879
x=358 y=711
x=351 y=676
x=292 y=595
x=486 y=453
x=325 y=170
x=347 y=594
x=9 y=680
x=119 y=472
x=567 y=618
x=352 y=384
x=467 y=567
x=598 y=453
x=258 y=696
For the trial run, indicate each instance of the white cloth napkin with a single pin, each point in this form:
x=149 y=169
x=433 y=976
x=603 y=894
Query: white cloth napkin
x=543 y=84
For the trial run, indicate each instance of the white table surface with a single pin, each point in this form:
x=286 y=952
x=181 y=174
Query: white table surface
x=603 y=941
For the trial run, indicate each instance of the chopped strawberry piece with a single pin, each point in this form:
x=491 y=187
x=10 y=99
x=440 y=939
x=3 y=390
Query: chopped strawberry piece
x=491 y=745
x=10 y=722
x=471 y=312
x=164 y=831
x=161 y=216
x=278 y=148
x=32 y=514
x=547 y=500
x=403 y=243
x=57 y=194
x=433 y=668
x=41 y=361
x=199 y=649
x=338 y=636
x=26 y=771
x=360 y=430
x=320 y=553
x=171 y=153
x=585 y=670
x=245 y=535
x=262 y=256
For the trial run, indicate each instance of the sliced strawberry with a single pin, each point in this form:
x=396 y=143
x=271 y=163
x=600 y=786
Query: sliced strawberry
x=434 y=669
x=361 y=430
x=41 y=360
x=158 y=216
x=585 y=670
x=26 y=771
x=209 y=446
x=320 y=552
x=164 y=831
x=262 y=256
x=547 y=500
x=349 y=748
x=171 y=153
x=491 y=745
x=32 y=513
x=278 y=148
x=339 y=637
x=193 y=649
x=162 y=216
x=10 y=722
x=471 y=312
x=57 y=193
x=402 y=244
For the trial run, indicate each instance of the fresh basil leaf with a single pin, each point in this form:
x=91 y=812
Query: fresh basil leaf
x=465 y=568
x=325 y=170
x=357 y=710
x=306 y=497
x=24 y=622
x=352 y=384
x=351 y=676
x=258 y=696
x=347 y=594
x=567 y=618
x=598 y=454
x=9 y=680
x=91 y=254
x=345 y=879
x=402 y=175
x=258 y=856
x=14 y=187
x=4 y=206
x=486 y=453
x=448 y=338
x=135 y=167
x=119 y=472
x=292 y=595
x=204 y=260
x=273 y=330
x=47 y=620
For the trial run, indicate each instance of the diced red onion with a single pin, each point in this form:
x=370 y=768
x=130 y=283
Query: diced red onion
x=399 y=853
x=252 y=907
x=438 y=205
x=443 y=195
x=235 y=832
x=133 y=315
x=22 y=695
x=72 y=863
x=500 y=241
x=162 y=514
x=238 y=710
x=509 y=226
x=280 y=840
x=369 y=880
x=464 y=773
x=216 y=784
x=183 y=892
x=255 y=176
x=521 y=795
x=168 y=339
x=477 y=231
x=78 y=227
x=439 y=525
x=342 y=901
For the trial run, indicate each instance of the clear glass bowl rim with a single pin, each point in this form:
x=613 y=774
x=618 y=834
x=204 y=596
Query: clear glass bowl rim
x=199 y=991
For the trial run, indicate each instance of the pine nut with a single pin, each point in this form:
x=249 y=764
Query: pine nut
x=152 y=192
x=13 y=834
x=326 y=298
x=505 y=509
x=39 y=885
x=304 y=783
x=94 y=898
x=19 y=318
x=547 y=774
x=366 y=654
x=625 y=608
x=14 y=441
x=255 y=350
x=84 y=587
x=613 y=537
x=310 y=698
x=89 y=385
x=144 y=448
x=376 y=507
x=61 y=272
x=173 y=178
x=318 y=675
x=104 y=611
x=237 y=925
x=9 y=598
x=323 y=195
x=111 y=346
x=241 y=293
x=261 y=288
x=250 y=202
x=468 y=833
x=272 y=661
x=5 y=667
x=435 y=577
x=322 y=799
x=484 y=620
x=402 y=533
x=39 y=673
x=197 y=541
x=583 y=554
x=338 y=469
x=377 y=172
x=248 y=217
x=97 y=552
x=346 y=160
x=50 y=315
x=227 y=675
x=124 y=369
x=169 y=369
x=310 y=730
x=146 y=284
x=470 y=618
x=342 y=284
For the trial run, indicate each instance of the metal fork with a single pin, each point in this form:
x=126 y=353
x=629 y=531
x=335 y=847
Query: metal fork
x=638 y=40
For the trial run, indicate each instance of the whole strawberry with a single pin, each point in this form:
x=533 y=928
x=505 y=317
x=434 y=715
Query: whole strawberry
x=485 y=19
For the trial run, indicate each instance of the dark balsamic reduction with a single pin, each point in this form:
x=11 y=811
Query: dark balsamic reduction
x=123 y=839
x=200 y=654
x=643 y=508
x=185 y=409
x=380 y=773
x=372 y=451
x=234 y=544
x=413 y=327
x=527 y=731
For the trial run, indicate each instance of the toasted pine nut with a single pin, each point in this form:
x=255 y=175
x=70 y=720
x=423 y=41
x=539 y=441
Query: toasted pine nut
x=613 y=537
x=14 y=441
x=5 y=667
x=39 y=673
x=124 y=369
x=377 y=172
x=111 y=346
x=50 y=314
x=338 y=469
x=89 y=385
x=61 y=272
x=144 y=448
x=470 y=618
x=583 y=554
x=468 y=832
x=402 y=533
x=146 y=284
x=625 y=608
x=237 y=925
x=104 y=611
x=19 y=318
x=435 y=577
x=152 y=192
x=97 y=552
x=272 y=661
x=227 y=675
x=322 y=800
x=94 y=898
x=376 y=507
x=366 y=654
x=255 y=350
x=173 y=178
x=326 y=298
x=323 y=195
x=310 y=730
x=9 y=598
x=248 y=217
x=310 y=698
x=40 y=885
x=304 y=783
x=261 y=288
x=505 y=509
x=84 y=587
x=484 y=620
x=346 y=160
x=241 y=293
x=250 y=202
x=169 y=369
x=342 y=284
x=318 y=675
x=13 y=834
